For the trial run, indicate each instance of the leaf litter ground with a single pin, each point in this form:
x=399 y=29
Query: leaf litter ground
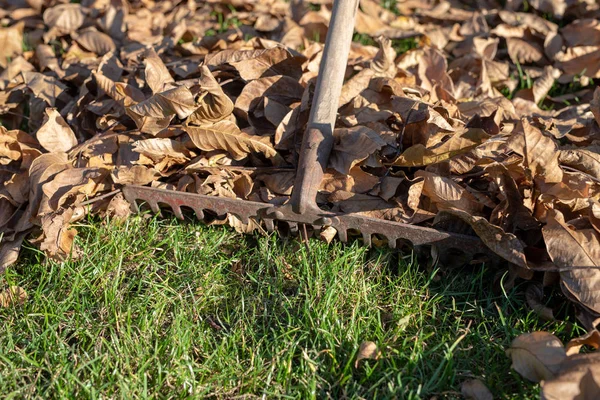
x=476 y=120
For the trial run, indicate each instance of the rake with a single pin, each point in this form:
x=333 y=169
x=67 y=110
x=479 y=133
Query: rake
x=302 y=209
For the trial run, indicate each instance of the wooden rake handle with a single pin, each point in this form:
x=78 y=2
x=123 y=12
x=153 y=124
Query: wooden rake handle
x=318 y=138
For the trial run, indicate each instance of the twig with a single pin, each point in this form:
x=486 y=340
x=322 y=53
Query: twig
x=95 y=199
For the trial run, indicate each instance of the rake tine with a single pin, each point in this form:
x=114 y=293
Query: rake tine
x=293 y=227
x=269 y=224
x=177 y=211
x=199 y=213
x=154 y=207
x=366 y=238
x=342 y=235
x=392 y=242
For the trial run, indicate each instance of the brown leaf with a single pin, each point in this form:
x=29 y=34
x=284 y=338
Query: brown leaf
x=506 y=245
x=118 y=208
x=459 y=143
x=13 y=296
x=12 y=43
x=225 y=135
x=583 y=159
x=592 y=338
x=281 y=88
x=539 y=152
x=327 y=234
x=536 y=356
x=64 y=17
x=45 y=87
x=279 y=183
x=73 y=181
x=524 y=51
x=135 y=175
x=383 y=62
x=126 y=95
x=352 y=145
x=544 y=83
x=94 y=41
x=577 y=255
x=474 y=389
x=159 y=149
x=367 y=351
x=447 y=194
x=58 y=236
x=214 y=105
x=9 y=251
x=255 y=64
x=578 y=379
x=156 y=73
x=353 y=86
x=155 y=113
x=55 y=135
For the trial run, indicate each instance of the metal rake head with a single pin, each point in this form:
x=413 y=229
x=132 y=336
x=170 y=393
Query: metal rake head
x=394 y=233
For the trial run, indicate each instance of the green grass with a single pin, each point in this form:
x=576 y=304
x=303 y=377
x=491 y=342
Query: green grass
x=164 y=309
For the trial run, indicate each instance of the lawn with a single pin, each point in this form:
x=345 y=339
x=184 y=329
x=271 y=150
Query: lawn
x=158 y=308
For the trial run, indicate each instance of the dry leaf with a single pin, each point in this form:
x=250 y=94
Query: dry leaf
x=459 y=143
x=352 y=146
x=55 y=135
x=215 y=105
x=96 y=42
x=12 y=43
x=536 y=356
x=474 y=389
x=13 y=296
x=506 y=245
x=577 y=255
x=367 y=351
x=64 y=17
x=539 y=152
x=327 y=234
x=157 y=75
x=225 y=135
x=578 y=379
x=592 y=338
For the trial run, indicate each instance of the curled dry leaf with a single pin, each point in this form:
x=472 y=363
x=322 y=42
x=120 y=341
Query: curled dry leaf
x=96 y=42
x=327 y=234
x=539 y=152
x=55 y=135
x=367 y=351
x=578 y=378
x=214 y=105
x=459 y=143
x=9 y=251
x=58 y=237
x=64 y=17
x=474 y=389
x=577 y=255
x=13 y=296
x=592 y=338
x=506 y=245
x=225 y=135
x=584 y=160
x=156 y=73
x=12 y=43
x=352 y=146
x=536 y=356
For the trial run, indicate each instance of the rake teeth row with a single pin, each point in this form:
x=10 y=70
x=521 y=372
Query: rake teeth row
x=394 y=233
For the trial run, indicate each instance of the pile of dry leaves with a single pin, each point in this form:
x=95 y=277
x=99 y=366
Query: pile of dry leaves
x=490 y=118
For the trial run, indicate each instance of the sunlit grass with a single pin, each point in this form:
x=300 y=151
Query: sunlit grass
x=163 y=309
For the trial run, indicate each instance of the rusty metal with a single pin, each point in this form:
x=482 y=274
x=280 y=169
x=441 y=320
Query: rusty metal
x=316 y=147
x=394 y=232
